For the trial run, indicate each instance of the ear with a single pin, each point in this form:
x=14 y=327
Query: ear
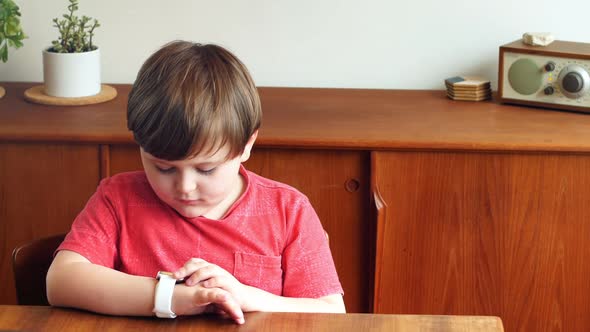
x=246 y=154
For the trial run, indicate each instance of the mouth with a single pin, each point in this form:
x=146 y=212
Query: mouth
x=188 y=201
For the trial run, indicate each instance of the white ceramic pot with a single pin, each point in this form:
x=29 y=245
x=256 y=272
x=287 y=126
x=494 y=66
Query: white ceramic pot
x=71 y=74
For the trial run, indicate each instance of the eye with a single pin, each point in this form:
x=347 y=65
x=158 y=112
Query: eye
x=165 y=170
x=206 y=172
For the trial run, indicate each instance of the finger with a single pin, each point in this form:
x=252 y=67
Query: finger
x=211 y=308
x=217 y=282
x=220 y=312
x=230 y=307
x=190 y=267
x=204 y=273
x=223 y=300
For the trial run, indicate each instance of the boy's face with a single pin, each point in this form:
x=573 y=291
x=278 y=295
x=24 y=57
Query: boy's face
x=201 y=186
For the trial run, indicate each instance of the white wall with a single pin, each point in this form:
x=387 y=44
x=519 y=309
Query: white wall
x=411 y=44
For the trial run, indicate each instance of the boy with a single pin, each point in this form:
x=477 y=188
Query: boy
x=239 y=242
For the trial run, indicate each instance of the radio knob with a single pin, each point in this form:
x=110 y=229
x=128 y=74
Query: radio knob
x=574 y=81
x=548 y=90
x=550 y=66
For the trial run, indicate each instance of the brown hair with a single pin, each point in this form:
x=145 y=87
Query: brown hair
x=190 y=98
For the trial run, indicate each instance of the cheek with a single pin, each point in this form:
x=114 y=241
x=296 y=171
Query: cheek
x=213 y=187
x=160 y=184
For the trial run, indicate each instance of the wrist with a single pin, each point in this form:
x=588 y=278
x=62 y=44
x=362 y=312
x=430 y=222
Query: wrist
x=181 y=300
x=164 y=294
x=256 y=299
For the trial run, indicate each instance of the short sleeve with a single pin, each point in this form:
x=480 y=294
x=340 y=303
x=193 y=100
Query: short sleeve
x=94 y=232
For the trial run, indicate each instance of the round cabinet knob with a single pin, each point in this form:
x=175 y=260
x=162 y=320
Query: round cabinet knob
x=352 y=185
x=574 y=81
x=549 y=90
x=525 y=77
x=550 y=66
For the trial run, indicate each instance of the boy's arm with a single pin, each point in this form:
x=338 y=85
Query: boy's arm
x=270 y=302
x=73 y=281
x=200 y=272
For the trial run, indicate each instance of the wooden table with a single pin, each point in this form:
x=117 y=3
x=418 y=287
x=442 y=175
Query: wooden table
x=37 y=318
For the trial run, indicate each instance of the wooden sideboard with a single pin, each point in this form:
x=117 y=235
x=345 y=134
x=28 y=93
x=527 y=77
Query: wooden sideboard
x=433 y=206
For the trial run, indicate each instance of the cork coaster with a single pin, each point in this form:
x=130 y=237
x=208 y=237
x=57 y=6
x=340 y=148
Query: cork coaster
x=469 y=98
x=469 y=94
x=473 y=82
x=461 y=88
x=37 y=95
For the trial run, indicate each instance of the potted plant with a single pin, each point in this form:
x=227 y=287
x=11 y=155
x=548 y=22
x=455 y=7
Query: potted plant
x=71 y=65
x=11 y=32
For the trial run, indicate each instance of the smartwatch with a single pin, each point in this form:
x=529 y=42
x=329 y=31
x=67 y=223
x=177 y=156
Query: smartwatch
x=163 y=297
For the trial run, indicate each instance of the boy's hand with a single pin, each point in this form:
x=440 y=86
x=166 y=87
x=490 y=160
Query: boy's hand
x=198 y=272
x=200 y=299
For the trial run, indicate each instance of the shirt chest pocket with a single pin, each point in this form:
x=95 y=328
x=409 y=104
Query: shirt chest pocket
x=259 y=271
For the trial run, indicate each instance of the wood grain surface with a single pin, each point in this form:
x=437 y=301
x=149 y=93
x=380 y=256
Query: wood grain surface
x=39 y=318
x=486 y=233
x=329 y=118
x=42 y=189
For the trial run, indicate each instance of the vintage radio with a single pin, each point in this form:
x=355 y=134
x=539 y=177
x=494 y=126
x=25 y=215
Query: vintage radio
x=554 y=76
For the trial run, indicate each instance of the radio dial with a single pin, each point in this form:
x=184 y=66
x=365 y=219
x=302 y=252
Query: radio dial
x=574 y=81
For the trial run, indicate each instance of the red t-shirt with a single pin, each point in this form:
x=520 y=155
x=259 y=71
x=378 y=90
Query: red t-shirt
x=271 y=238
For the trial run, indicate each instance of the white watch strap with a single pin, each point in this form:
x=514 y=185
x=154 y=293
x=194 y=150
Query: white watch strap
x=163 y=297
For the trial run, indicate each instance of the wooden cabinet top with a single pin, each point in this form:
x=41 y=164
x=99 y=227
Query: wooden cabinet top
x=328 y=118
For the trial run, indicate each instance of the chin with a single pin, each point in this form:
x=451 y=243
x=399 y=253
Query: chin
x=183 y=211
x=189 y=214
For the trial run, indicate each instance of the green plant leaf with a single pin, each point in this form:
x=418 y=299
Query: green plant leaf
x=4 y=53
x=15 y=43
x=12 y=26
x=11 y=34
x=75 y=34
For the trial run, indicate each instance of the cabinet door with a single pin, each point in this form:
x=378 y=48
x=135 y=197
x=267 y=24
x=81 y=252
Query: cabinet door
x=337 y=184
x=121 y=158
x=42 y=189
x=484 y=234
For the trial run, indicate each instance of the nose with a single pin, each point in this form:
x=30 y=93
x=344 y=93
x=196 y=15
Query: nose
x=186 y=182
